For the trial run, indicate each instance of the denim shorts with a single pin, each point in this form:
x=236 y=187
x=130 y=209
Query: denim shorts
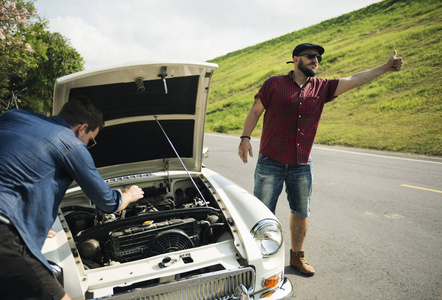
x=270 y=177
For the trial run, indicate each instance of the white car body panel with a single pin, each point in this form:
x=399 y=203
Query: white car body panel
x=110 y=255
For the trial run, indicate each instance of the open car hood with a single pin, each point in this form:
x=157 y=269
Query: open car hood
x=134 y=99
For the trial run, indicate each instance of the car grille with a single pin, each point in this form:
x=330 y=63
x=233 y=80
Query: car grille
x=215 y=285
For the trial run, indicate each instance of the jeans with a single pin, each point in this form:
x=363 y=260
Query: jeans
x=270 y=177
x=22 y=275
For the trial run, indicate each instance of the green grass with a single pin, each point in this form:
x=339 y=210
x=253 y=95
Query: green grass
x=400 y=111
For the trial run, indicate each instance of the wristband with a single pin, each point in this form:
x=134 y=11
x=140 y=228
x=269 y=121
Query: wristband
x=245 y=136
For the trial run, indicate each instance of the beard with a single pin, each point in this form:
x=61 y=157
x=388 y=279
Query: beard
x=307 y=72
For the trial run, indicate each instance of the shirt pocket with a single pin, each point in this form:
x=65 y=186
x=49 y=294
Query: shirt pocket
x=311 y=106
x=312 y=101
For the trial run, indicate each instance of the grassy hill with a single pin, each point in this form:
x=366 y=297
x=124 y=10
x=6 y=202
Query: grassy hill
x=400 y=111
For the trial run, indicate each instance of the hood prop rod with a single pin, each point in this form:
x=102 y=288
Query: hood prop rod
x=182 y=163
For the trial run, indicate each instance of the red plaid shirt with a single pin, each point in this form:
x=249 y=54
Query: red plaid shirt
x=292 y=116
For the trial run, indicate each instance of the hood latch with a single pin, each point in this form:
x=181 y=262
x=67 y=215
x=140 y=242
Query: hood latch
x=163 y=76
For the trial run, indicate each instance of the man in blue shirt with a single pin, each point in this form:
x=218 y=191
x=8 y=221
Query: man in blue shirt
x=39 y=158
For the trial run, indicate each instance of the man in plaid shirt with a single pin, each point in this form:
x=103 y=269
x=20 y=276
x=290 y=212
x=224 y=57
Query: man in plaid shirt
x=293 y=105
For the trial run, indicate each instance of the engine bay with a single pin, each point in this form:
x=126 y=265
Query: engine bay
x=173 y=216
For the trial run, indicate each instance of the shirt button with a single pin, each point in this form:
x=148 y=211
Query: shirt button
x=299 y=115
x=299 y=129
x=298 y=144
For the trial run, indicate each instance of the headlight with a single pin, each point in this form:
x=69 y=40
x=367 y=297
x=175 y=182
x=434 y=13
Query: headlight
x=268 y=236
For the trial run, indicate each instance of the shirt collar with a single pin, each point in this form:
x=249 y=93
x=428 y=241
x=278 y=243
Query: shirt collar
x=292 y=78
x=59 y=120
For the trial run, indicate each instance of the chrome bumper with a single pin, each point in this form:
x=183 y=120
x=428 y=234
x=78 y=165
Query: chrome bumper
x=283 y=292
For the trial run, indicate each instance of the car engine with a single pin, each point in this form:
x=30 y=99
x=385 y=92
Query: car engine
x=165 y=220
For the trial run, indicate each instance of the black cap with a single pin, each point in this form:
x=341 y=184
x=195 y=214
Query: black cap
x=301 y=47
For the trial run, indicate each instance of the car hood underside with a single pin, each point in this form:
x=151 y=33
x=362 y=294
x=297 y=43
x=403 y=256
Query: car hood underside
x=153 y=112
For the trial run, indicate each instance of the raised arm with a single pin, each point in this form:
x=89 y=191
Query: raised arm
x=393 y=64
x=252 y=118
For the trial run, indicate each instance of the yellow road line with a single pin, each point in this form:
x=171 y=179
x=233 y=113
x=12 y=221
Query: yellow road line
x=421 y=188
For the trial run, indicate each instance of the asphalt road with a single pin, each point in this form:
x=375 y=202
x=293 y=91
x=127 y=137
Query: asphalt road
x=376 y=224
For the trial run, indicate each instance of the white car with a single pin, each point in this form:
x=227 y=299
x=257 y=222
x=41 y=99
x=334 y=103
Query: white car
x=195 y=234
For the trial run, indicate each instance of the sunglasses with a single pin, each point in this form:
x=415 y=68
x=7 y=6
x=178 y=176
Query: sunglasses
x=92 y=142
x=312 y=55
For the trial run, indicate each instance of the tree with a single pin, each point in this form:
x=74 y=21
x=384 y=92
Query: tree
x=55 y=57
x=31 y=58
x=15 y=52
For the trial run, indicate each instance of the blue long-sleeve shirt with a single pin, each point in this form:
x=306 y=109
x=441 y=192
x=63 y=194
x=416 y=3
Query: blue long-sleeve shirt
x=39 y=158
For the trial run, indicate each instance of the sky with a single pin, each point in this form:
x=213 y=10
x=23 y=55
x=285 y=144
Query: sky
x=115 y=32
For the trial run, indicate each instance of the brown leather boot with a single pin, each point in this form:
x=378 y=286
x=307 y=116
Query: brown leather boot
x=297 y=261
